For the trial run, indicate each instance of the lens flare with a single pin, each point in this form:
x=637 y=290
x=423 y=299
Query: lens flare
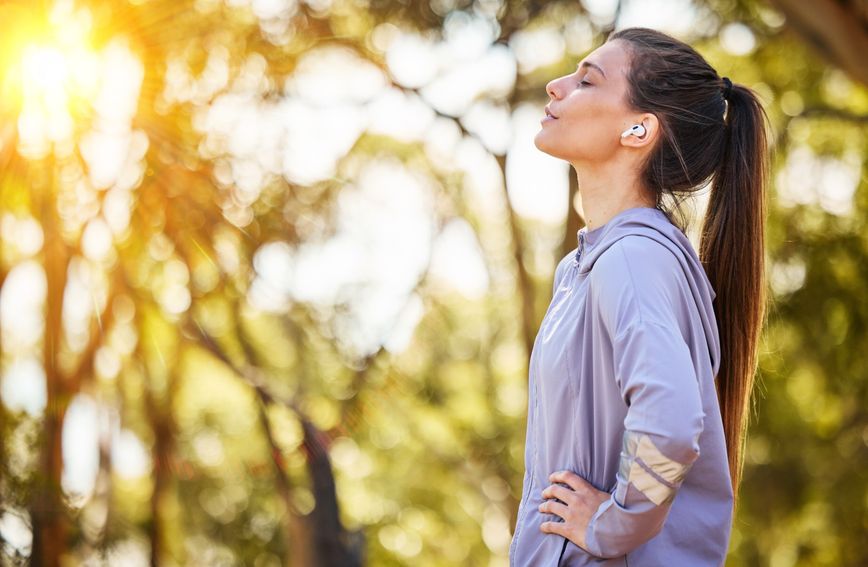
x=48 y=74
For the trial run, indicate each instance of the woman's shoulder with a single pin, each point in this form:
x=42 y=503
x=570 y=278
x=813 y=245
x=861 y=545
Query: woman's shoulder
x=637 y=278
x=638 y=259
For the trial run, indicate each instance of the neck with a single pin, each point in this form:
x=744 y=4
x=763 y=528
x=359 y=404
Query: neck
x=606 y=191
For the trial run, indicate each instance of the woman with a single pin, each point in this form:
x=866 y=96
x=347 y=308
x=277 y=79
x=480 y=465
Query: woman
x=642 y=369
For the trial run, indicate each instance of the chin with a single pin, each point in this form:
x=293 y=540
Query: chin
x=540 y=142
x=544 y=146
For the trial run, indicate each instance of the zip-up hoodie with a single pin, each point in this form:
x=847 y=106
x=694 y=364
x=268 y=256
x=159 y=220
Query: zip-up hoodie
x=621 y=392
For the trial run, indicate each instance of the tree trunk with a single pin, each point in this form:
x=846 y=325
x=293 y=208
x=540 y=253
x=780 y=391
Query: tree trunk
x=299 y=552
x=334 y=545
x=523 y=284
x=48 y=515
x=162 y=424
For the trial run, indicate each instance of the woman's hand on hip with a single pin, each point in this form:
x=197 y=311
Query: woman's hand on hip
x=577 y=505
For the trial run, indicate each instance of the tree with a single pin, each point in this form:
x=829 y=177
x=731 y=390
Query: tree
x=275 y=431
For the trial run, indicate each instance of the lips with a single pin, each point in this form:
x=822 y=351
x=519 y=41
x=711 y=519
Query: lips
x=549 y=117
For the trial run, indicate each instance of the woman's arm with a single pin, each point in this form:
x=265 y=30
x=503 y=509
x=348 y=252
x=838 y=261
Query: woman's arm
x=635 y=288
x=661 y=438
x=660 y=443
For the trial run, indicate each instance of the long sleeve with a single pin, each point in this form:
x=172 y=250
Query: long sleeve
x=657 y=381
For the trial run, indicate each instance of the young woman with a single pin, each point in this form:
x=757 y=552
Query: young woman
x=642 y=369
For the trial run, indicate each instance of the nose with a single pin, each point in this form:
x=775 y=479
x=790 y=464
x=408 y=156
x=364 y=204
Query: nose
x=550 y=89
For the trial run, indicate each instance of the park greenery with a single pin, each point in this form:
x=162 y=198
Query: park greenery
x=268 y=289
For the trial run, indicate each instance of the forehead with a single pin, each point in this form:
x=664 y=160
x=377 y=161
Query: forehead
x=612 y=57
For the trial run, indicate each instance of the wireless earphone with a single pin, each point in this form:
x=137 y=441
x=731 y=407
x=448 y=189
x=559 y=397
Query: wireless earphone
x=635 y=130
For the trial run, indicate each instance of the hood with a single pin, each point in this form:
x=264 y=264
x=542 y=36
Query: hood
x=652 y=223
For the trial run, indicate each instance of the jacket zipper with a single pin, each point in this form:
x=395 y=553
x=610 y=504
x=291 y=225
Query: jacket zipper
x=580 y=249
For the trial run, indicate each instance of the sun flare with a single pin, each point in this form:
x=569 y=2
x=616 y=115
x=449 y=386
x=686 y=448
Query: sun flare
x=49 y=74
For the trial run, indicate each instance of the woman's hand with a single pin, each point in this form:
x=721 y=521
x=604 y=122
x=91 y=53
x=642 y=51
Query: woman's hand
x=579 y=505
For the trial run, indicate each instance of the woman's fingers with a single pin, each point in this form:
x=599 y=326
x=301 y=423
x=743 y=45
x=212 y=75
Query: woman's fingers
x=562 y=493
x=578 y=501
x=570 y=478
x=556 y=508
x=559 y=528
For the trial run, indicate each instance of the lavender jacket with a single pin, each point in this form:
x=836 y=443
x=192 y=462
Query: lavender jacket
x=621 y=392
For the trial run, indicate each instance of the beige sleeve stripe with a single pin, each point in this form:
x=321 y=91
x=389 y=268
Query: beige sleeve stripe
x=641 y=447
x=664 y=467
x=653 y=489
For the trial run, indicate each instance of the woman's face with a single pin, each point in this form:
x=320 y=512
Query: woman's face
x=591 y=108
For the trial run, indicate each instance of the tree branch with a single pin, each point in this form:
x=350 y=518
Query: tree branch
x=838 y=35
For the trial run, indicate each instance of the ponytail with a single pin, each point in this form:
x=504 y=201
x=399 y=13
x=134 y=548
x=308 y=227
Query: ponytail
x=732 y=252
x=711 y=130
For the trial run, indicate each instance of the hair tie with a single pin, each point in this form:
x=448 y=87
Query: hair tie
x=727 y=87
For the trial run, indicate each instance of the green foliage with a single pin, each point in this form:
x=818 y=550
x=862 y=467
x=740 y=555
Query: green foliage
x=425 y=441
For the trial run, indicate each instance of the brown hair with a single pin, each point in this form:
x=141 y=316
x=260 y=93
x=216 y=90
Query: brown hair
x=712 y=130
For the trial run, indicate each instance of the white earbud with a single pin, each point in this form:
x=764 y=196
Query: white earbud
x=635 y=130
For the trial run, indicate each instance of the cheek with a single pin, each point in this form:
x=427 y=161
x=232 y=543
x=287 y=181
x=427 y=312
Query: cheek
x=589 y=131
x=597 y=115
x=579 y=138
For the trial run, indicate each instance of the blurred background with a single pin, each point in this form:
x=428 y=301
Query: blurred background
x=271 y=270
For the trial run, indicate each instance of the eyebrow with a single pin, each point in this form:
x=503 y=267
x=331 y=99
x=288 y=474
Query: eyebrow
x=594 y=65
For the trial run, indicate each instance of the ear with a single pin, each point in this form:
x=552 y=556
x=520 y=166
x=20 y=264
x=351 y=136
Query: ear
x=652 y=128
